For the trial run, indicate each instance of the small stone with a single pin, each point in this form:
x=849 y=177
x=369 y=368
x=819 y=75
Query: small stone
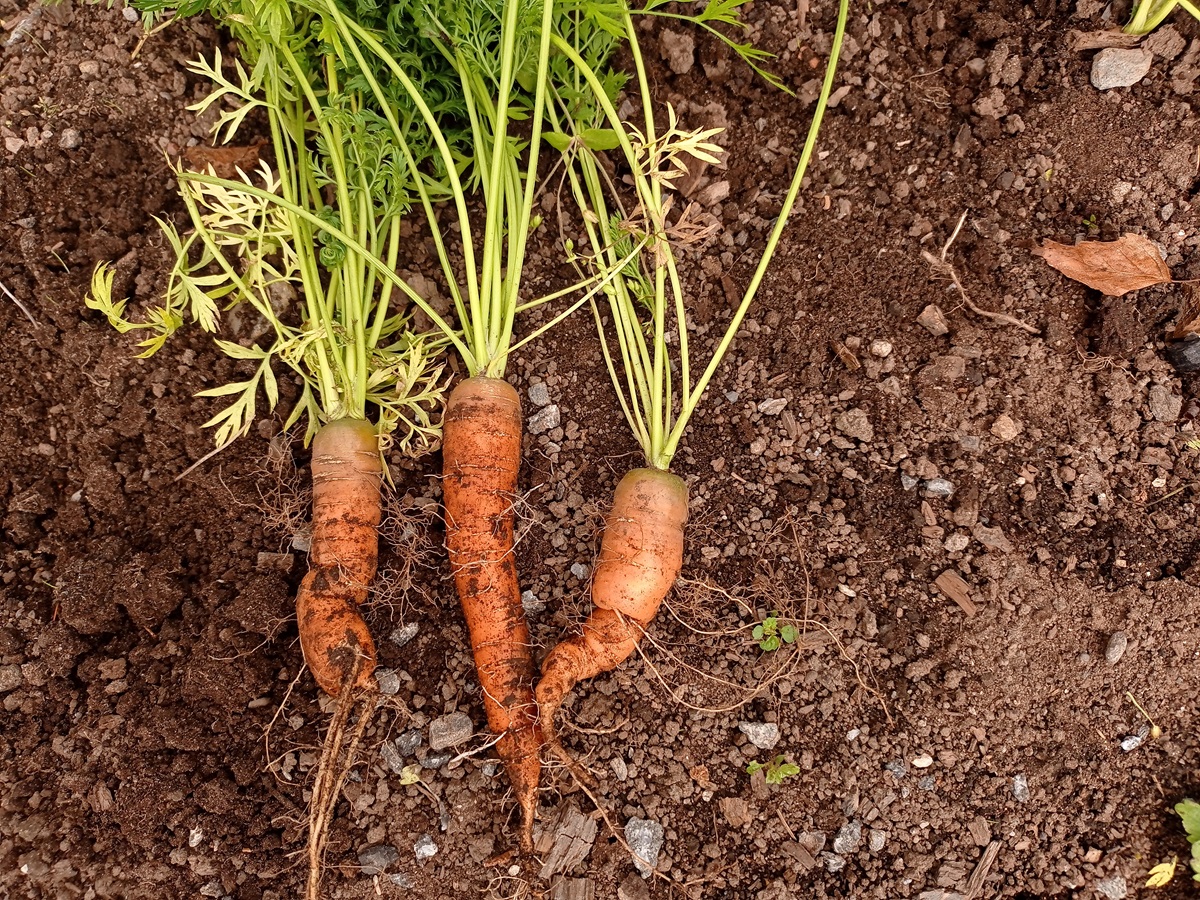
x=772 y=407
x=1134 y=741
x=434 y=760
x=939 y=487
x=375 y=860
x=880 y=348
x=763 y=735
x=908 y=482
x=531 y=604
x=1005 y=428
x=1116 y=67
x=425 y=848
x=924 y=761
x=545 y=419
x=877 y=840
x=678 y=48
x=388 y=681
x=401 y=880
x=717 y=192
x=89 y=68
x=10 y=678
x=70 y=139
x=1164 y=405
x=633 y=888
x=928 y=783
x=404 y=634
x=957 y=543
x=1117 y=645
x=14 y=144
x=849 y=837
x=1113 y=887
x=275 y=562
x=932 y=320
x=539 y=394
x=392 y=757
x=408 y=742
x=645 y=839
x=619 y=767
x=450 y=731
x=130 y=14
x=579 y=570
x=854 y=424
x=832 y=862
x=896 y=767
x=1020 y=788
x=1184 y=356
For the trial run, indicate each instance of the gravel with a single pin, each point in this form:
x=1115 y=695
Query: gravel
x=1165 y=406
x=70 y=139
x=1116 y=67
x=933 y=321
x=1005 y=428
x=10 y=678
x=1117 y=645
x=388 y=681
x=849 y=837
x=545 y=419
x=854 y=423
x=1020 y=788
x=763 y=735
x=404 y=634
x=425 y=848
x=880 y=348
x=450 y=731
x=539 y=394
x=375 y=860
x=939 y=487
x=408 y=742
x=645 y=839
x=1113 y=887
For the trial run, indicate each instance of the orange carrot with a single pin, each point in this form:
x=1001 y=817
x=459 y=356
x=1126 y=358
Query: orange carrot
x=346 y=475
x=481 y=449
x=640 y=558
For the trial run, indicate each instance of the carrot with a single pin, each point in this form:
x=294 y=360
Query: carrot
x=481 y=455
x=640 y=558
x=346 y=475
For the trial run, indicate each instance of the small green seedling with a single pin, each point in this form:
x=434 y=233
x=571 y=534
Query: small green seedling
x=771 y=635
x=776 y=770
x=1090 y=222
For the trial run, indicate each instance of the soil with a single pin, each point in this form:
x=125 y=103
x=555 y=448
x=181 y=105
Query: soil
x=953 y=737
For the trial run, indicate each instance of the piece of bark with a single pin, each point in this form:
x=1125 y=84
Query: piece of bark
x=952 y=585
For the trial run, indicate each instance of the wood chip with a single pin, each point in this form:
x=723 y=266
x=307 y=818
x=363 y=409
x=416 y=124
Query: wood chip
x=574 y=889
x=566 y=841
x=1080 y=41
x=849 y=360
x=804 y=859
x=952 y=585
x=979 y=876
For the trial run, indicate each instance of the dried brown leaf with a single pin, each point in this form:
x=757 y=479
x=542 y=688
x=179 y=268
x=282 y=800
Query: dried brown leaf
x=1111 y=267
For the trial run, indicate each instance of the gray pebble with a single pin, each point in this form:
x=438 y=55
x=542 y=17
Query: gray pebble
x=392 y=756
x=896 y=767
x=763 y=735
x=425 y=848
x=732 y=396
x=1116 y=67
x=130 y=14
x=1117 y=645
x=1165 y=406
x=531 y=604
x=539 y=394
x=772 y=407
x=1113 y=887
x=374 y=860
x=645 y=839
x=880 y=348
x=832 y=862
x=1134 y=741
x=10 y=678
x=449 y=731
x=849 y=837
x=620 y=769
x=579 y=570
x=408 y=742
x=404 y=634
x=401 y=880
x=928 y=783
x=435 y=760
x=1020 y=788
x=70 y=139
x=490 y=768
x=1185 y=356
x=939 y=487
x=545 y=419
x=877 y=840
x=908 y=482
x=388 y=681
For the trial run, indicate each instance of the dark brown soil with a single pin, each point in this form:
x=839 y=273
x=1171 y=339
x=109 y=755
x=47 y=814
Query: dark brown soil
x=156 y=746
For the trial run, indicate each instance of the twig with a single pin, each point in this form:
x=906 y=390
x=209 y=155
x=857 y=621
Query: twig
x=942 y=267
x=21 y=306
x=984 y=866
